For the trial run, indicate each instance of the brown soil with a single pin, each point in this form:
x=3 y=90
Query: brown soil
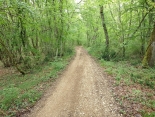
x=82 y=91
x=133 y=105
x=4 y=71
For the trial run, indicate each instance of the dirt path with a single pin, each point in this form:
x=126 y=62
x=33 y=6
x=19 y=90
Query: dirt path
x=82 y=91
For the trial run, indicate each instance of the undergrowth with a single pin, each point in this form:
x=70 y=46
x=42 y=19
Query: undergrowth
x=19 y=93
x=123 y=70
x=129 y=72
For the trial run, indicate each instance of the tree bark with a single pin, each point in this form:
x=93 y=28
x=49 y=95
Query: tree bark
x=10 y=56
x=143 y=35
x=105 y=32
x=62 y=28
x=149 y=57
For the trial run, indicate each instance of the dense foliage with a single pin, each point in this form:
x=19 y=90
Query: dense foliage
x=124 y=26
x=33 y=31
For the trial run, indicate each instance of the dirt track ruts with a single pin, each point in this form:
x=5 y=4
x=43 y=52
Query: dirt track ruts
x=82 y=91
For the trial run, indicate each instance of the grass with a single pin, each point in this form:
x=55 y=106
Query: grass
x=129 y=73
x=19 y=93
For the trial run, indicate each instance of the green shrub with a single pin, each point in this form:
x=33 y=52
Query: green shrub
x=58 y=65
x=149 y=83
x=9 y=95
x=149 y=114
x=31 y=96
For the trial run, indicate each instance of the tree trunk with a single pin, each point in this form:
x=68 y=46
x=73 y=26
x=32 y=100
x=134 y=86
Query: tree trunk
x=143 y=33
x=62 y=28
x=105 y=32
x=149 y=58
x=10 y=56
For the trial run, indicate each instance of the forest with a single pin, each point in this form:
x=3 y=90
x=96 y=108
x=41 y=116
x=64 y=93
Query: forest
x=38 y=37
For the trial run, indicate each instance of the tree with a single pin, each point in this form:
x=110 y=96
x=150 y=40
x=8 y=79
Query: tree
x=149 y=57
x=105 y=32
x=33 y=31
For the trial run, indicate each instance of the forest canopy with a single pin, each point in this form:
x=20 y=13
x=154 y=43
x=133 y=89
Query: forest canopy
x=34 y=31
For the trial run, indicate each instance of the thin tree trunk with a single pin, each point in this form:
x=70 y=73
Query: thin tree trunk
x=122 y=29
x=10 y=56
x=143 y=38
x=105 y=32
x=62 y=28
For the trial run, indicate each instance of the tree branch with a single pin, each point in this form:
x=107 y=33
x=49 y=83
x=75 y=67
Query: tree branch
x=141 y=22
x=79 y=2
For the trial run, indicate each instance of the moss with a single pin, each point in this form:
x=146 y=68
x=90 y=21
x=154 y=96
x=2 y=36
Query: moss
x=148 y=55
x=147 y=58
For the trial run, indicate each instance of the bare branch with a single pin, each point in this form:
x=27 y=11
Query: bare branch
x=79 y=2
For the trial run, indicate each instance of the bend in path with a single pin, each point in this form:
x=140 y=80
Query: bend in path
x=81 y=92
